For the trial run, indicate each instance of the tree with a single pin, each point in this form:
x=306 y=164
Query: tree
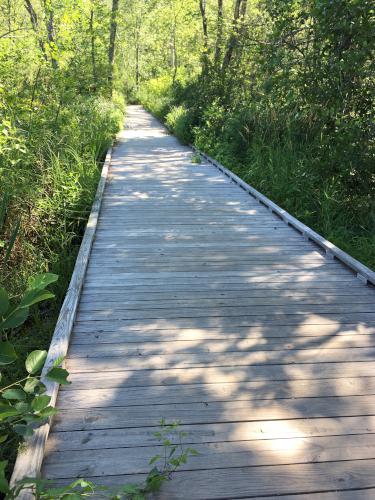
x=112 y=41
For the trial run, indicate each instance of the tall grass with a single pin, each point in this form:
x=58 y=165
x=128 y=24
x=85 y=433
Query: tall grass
x=50 y=173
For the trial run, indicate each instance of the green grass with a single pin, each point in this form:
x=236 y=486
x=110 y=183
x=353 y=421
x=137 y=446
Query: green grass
x=51 y=184
x=285 y=174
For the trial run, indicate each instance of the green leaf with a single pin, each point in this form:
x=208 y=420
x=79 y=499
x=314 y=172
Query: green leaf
x=32 y=419
x=15 y=318
x=34 y=296
x=4 y=302
x=4 y=486
x=131 y=489
x=7 y=411
x=7 y=353
x=58 y=361
x=172 y=450
x=31 y=385
x=48 y=412
x=17 y=394
x=23 y=430
x=35 y=361
x=22 y=406
x=3 y=438
x=58 y=375
x=193 y=452
x=154 y=459
x=154 y=480
x=41 y=281
x=40 y=402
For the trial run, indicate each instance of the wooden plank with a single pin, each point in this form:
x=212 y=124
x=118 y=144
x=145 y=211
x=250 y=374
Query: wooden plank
x=119 y=461
x=199 y=243
x=214 y=375
x=29 y=461
x=179 y=297
x=197 y=267
x=225 y=322
x=244 y=358
x=297 y=335
x=199 y=413
x=357 y=494
x=282 y=287
x=195 y=393
x=93 y=303
x=271 y=311
x=259 y=482
x=120 y=348
x=212 y=433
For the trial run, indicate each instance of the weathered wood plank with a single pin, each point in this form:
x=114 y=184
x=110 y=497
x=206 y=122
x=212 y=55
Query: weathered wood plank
x=224 y=322
x=195 y=393
x=100 y=349
x=214 y=375
x=171 y=310
x=117 y=461
x=212 y=433
x=199 y=413
x=297 y=335
x=139 y=361
x=259 y=482
x=160 y=298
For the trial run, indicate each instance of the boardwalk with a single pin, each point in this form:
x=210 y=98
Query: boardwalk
x=200 y=305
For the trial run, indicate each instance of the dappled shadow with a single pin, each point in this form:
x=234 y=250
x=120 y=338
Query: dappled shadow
x=202 y=306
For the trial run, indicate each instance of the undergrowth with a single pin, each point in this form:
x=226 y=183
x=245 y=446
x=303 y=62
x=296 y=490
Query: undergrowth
x=50 y=164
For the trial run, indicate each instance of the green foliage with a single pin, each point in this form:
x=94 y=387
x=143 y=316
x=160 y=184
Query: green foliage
x=156 y=96
x=179 y=121
x=58 y=115
x=23 y=404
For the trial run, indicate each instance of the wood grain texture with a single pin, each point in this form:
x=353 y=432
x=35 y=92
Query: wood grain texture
x=200 y=304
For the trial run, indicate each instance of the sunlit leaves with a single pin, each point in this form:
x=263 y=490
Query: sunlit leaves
x=58 y=375
x=35 y=361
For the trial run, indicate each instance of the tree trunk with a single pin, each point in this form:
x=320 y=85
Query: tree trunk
x=174 y=59
x=51 y=37
x=93 y=58
x=219 y=32
x=112 y=41
x=238 y=19
x=35 y=25
x=202 y=7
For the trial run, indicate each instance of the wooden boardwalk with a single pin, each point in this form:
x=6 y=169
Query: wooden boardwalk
x=201 y=305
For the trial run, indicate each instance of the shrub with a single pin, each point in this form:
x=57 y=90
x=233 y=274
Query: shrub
x=179 y=121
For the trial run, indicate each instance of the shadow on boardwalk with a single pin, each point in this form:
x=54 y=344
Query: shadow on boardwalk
x=201 y=306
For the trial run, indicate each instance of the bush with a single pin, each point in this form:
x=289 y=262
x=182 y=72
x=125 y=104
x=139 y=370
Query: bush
x=156 y=96
x=179 y=121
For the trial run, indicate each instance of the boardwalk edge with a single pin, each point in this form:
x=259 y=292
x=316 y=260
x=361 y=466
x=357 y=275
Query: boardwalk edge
x=363 y=273
x=30 y=456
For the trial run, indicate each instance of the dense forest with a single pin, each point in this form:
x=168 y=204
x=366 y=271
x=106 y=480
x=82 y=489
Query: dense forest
x=281 y=92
